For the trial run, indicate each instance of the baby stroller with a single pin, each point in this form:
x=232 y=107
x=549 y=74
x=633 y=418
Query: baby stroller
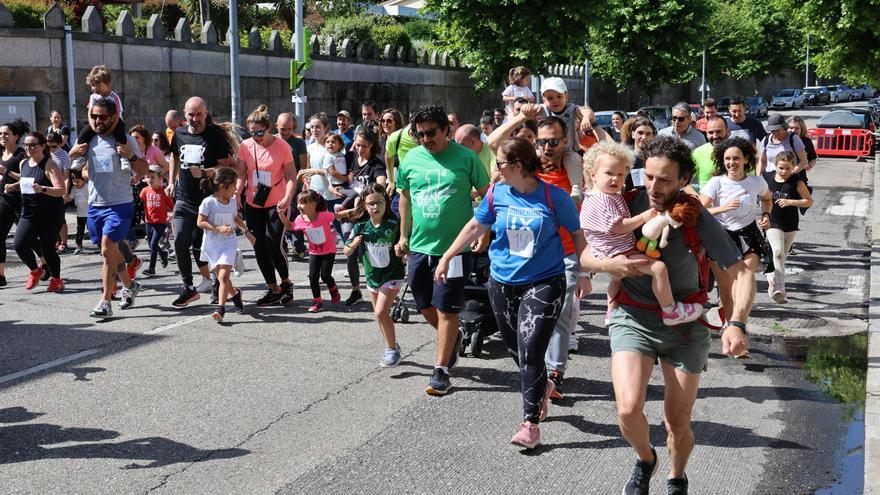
x=476 y=321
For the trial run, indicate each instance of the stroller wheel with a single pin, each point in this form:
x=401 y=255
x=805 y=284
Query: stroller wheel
x=404 y=315
x=477 y=345
x=395 y=314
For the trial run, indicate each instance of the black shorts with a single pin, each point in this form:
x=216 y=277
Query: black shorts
x=426 y=292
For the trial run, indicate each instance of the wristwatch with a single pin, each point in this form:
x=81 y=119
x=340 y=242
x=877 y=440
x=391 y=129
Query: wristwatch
x=132 y=158
x=737 y=324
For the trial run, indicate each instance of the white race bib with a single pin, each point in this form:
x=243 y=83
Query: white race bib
x=638 y=176
x=192 y=154
x=263 y=177
x=103 y=163
x=26 y=184
x=521 y=242
x=379 y=255
x=316 y=235
x=456 y=269
x=358 y=186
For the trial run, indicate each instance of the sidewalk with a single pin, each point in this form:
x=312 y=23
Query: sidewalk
x=872 y=399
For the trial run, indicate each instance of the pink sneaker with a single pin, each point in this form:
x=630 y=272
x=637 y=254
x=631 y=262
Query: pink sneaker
x=528 y=436
x=334 y=295
x=316 y=307
x=780 y=296
x=683 y=313
x=545 y=401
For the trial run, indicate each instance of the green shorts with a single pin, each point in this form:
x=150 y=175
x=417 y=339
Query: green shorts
x=636 y=330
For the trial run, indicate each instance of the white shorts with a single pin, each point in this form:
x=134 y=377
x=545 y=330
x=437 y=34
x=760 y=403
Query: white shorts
x=389 y=285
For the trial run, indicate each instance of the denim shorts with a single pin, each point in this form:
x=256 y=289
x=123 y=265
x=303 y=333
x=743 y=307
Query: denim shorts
x=110 y=221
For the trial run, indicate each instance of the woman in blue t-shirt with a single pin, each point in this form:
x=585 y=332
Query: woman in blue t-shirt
x=527 y=287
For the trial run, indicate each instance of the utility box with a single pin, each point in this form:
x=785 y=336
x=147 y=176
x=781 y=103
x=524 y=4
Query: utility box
x=18 y=107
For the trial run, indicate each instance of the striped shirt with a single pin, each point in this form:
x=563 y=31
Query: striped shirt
x=600 y=212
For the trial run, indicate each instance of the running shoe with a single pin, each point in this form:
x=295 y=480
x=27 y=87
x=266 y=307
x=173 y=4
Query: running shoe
x=335 y=297
x=215 y=292
x=218 y=313
x=55 y=285
x=556 y=378
x=682 y=313
x=63 y=248
x=78 y=163
x=677 y=486
x=78 y=250
x=545 y=401
x=780 y=296
x=391 y=358
x=354 y=298
x=2 y=280
x=237 y=303
x=102 y=310
x=127 y=295
x=187 y=295
x=163 y=258
x=34 y=278
x=270 y=298
x=286 y=293
x=133 y=266
x=205 y=285
x=316 y=307
x=640 y=481
x=45 y=275
x=528 y=435
x=439 y=383
x=453 y=360
x=148 y=273
x=576 y=195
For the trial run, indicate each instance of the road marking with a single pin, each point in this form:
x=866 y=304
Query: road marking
x=856 y=285
x=88 y=352
x=851 y=205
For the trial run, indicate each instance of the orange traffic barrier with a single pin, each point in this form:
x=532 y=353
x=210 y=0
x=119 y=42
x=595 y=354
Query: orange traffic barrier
x=842 y=142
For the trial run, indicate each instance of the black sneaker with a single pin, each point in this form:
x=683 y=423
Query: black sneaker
x=215 y=292
x=2 y=280
x=439 y=383
x=640 y=480
x=218 y=313
x=237 y=302
x=163 y=258
x=677 y=486
x=354 y=298
x=148 y=273
x=187 y=295
x=271 y=298
x=453 y=360
x=45 y=276
x=286 y=293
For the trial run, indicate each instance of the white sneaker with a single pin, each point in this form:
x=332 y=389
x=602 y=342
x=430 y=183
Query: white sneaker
x=576 y=195
x=205 y=285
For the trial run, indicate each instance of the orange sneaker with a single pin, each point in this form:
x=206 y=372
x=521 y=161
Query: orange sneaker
x=55 y=285
x=33 y=279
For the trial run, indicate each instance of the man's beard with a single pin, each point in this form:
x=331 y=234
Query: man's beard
x=550 y=164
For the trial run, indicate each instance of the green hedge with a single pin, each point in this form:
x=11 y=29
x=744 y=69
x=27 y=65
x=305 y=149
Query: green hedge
x=395 y=35
x=421 y=29
x=357 y=29
x=26 y=16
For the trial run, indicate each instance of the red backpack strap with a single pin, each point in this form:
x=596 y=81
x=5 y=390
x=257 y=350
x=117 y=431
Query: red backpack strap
x=630 y=196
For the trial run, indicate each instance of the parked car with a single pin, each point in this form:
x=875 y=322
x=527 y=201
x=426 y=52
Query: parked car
x=756 y=106
x=661 y=115
x=870 y=91
x=858 y=93
x=788 y=98
x=840 y=92
x=817 y=95
x=723 y=105
x=603 y=118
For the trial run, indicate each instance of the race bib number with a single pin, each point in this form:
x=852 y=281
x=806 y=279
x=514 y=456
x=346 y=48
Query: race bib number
x=263 y=177
x=456 y=269
x=379 y=255
x=316 y=235
x=358 y=186
x=26 y=184
x=103 y=163
x=522 y=242
x=638 y=177
x=192 y=154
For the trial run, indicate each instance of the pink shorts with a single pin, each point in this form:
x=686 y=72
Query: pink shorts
x=389 y=285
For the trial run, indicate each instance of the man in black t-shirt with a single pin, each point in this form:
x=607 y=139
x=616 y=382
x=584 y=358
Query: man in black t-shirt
x=742 y=125
x=197 y=148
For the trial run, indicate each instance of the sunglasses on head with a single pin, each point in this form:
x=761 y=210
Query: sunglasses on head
x=429 y=133
x=553 y=142
x=257 y=133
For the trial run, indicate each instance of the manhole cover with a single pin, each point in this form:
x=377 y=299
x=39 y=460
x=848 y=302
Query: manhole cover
x=793 y=320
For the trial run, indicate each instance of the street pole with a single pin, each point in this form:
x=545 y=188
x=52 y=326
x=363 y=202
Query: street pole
x=299 y=53
x=233 y=61
x=703 y=82
x=807 y=70
x=587 y=75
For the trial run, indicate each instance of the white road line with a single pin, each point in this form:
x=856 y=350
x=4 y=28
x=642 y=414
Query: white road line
x=850 y=205
x=88 y=352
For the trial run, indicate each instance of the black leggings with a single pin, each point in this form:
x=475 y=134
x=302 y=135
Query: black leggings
x=526 y=315
x=321 y=265
x=268 y=230
x=155 y=234
x=7 y=218
x=40 y=231
x=354 y=269
x=80 y=229
x=187 y=236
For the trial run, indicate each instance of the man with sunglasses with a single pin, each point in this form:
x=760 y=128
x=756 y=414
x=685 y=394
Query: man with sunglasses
x=681 y=127
x=435 y=182
x=196 y=148
x=111 y=202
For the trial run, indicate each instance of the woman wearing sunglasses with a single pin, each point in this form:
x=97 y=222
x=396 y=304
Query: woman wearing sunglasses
x=11 y=155
x=266 y=184
x=41 y=185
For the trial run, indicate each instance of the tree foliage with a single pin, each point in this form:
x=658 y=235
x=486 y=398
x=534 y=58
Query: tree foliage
x=847 y=33
x=492 y=36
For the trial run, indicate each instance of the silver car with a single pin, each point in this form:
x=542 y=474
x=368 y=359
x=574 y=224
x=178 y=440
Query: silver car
x=788 y=98
x=840 y=92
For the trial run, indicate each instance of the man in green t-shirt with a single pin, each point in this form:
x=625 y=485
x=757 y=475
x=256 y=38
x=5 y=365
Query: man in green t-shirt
x=716 y=131
x=435 y=182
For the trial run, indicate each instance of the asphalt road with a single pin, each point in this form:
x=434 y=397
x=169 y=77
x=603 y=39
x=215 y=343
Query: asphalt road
x=158 y=400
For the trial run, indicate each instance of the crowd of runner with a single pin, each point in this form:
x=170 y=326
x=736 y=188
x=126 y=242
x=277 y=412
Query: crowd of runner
x=550 y=198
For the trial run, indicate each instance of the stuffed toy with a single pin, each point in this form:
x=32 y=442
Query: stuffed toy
x=685 y=210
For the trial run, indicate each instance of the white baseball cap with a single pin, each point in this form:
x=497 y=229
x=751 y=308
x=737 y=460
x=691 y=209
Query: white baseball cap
x=555 y=84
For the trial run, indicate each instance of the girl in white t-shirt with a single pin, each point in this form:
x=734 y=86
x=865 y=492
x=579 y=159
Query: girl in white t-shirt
x=519 y=79
x=741 y=203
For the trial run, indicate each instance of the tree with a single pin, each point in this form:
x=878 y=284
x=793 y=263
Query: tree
x=493 y=36
x=648 y=43
x=847 y=32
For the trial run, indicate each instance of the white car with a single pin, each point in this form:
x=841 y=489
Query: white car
x=788 y=98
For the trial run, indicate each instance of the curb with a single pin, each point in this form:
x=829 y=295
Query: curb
x=872 y=397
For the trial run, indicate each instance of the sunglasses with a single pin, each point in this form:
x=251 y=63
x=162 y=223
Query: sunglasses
x=423 y=134
x=553 y=142
x=257 y=133
x=31 y=145
x=507 y=162
x=99 y=116
x=678 y=119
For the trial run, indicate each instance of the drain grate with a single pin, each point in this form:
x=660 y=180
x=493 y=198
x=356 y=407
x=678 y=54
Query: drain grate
x=792 y=320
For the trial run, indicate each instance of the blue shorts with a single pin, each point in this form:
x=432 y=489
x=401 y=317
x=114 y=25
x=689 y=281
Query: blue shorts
x=112 y=222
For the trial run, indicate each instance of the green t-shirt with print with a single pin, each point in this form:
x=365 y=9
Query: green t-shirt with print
x=440 y=194
x=381 y=265
x=702 y=156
